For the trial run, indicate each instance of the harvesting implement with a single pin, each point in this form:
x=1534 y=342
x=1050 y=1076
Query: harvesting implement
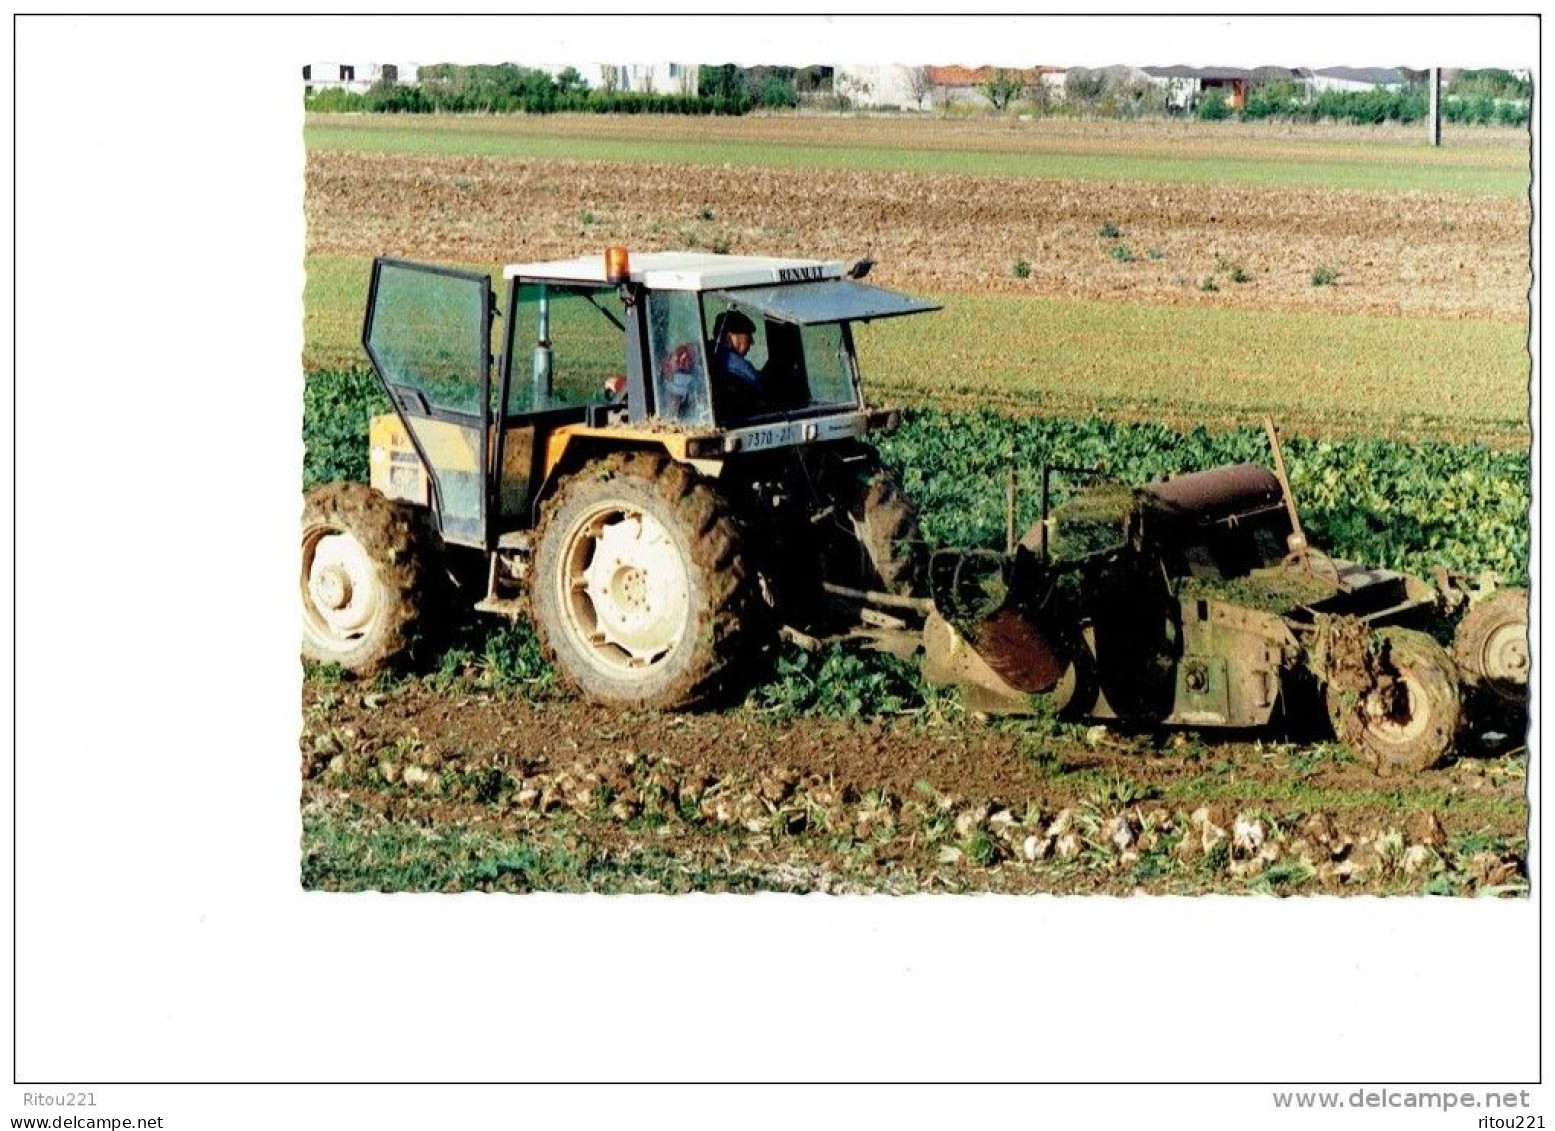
x=1197 y=602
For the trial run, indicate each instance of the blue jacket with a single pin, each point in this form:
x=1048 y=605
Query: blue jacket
x=727 y=361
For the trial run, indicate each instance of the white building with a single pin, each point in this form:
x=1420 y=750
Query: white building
x=356 y=77
x=1184 y=85
x=1358 y=78
x=891 y=85
x=634 y=78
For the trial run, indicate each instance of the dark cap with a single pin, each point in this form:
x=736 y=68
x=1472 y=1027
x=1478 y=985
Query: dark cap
x=735 y=322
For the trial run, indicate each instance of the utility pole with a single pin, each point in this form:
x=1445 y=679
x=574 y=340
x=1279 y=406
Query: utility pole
x=1434 y=119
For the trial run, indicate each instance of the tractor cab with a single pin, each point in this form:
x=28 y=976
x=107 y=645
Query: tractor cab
x=700 y=355
x=660 y=334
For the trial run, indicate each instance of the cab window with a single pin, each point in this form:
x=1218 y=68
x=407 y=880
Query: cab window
x=569 y=347
x=802 y=368
x=676 y=357
x=828 y=364
x=425 y=335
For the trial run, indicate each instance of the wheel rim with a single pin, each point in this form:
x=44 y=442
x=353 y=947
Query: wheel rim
x=625 y=589
x=1398 y=719
x=341 y=593
x=1503 y=657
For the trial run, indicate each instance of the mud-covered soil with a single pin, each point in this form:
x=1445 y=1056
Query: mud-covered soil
x=1415 y=254
x=500 y=793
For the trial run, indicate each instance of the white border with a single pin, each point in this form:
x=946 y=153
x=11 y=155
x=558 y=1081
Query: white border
x=163 y=935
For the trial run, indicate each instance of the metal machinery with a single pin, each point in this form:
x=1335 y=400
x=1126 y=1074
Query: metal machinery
x=1197 y=602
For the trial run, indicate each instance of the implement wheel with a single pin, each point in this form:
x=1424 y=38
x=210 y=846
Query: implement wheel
x=1491 y=646
x=641 y=593
x=365 y=576
x=1408 y=718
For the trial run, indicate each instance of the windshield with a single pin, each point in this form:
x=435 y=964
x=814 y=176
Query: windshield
x=762 y=366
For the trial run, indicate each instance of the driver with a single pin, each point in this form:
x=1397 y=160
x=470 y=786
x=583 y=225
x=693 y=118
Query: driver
x=735 y=338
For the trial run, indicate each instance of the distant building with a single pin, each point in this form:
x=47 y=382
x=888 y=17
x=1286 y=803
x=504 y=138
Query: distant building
x=634 y=78
x=1185 y=85
x=356 y=77
x=1359 y=78
x=891 y=85
x=965 y=84
x=1076 y=79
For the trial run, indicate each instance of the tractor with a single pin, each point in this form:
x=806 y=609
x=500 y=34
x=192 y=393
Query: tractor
x=606 y=477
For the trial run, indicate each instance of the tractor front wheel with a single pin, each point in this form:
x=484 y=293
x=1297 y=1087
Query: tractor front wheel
x=365 y=577
x=641 y=592
x=1408 y=717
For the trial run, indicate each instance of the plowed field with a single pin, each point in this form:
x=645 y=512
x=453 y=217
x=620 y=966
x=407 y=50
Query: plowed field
x=1417 y=254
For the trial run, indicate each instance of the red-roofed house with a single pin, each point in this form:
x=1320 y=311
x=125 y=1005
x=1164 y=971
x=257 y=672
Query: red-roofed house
x=965 y=84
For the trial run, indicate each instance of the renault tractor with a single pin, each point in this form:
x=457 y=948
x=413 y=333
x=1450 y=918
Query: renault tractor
x=601 y=472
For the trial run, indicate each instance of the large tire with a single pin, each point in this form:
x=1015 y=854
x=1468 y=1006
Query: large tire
x=1491 y=646
x=366 y=573
x=641 y=589
x=873 y=541
x=885 y=523
x=1408 y=719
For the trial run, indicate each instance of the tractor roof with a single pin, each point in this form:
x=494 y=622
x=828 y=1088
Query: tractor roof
x=684 y=270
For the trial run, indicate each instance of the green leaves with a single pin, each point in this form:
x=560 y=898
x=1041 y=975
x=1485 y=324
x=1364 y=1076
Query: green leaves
x=335 y=409
x=1378 y=501
x=841 y=684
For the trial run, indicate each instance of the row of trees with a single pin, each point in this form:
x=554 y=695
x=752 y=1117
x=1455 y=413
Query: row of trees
x=507 y=88
x=1477 y=97
x=1471 y=104
x=767 y=87
x=1490 y=97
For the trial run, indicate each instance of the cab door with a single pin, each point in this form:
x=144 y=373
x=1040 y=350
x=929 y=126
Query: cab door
x=428 y=333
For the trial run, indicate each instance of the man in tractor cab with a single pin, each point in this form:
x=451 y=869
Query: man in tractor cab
x=733 y=335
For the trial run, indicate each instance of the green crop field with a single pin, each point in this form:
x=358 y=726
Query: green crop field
x=1404 y=505
x=1313 y=372
x=1187 y=365
x=1224 y=158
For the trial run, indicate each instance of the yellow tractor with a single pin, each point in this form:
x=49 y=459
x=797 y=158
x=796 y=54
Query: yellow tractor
x=665 y=465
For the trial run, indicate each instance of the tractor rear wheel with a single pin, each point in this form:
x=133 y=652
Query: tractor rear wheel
x=1491 y=646
x=641 y=592
x=365 y=577
x=1408 y=718
x=871 y=539
x=885 y=523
